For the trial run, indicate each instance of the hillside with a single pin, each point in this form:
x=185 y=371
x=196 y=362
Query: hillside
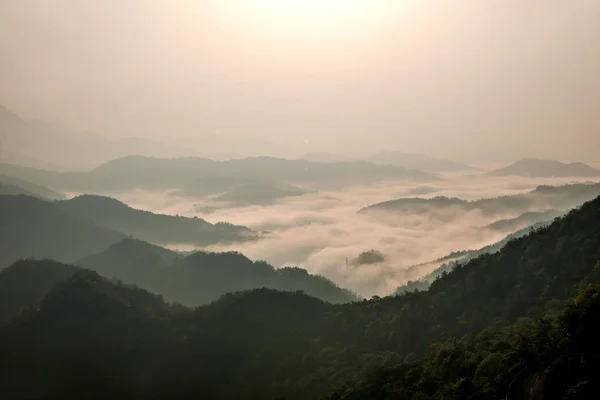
x=203 y=277
x=155 y=228
x=32 y=227
x=13 y=186
x=266 y=344
x=27 y=282
x=542 y=198
x=531 y=167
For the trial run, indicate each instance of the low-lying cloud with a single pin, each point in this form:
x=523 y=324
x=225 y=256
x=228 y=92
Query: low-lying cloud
x=322 y=232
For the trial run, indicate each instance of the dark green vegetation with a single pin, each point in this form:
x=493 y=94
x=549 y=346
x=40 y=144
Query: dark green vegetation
x=524 y=220
x=448 y=262
x=198 y=176
x=12 y=186
x=155 y=228
x=531 y=167
x=503 y=323
x=203 y=277
x=540 y=199
x=369 y=257
x=31 y=227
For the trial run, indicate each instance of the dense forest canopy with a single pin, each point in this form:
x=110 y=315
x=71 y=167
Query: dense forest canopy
x=269 y=344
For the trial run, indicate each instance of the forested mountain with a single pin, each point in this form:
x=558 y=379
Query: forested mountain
x=531 y=167
x=524 y=220
x=203 y=277
x=542 y=198
x=156 y=228
x=25 y=283
x=90 y=338
x=213 y=177
x=32 y=227
x=10 y=185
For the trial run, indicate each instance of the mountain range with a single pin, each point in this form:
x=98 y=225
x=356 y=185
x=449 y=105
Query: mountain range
x=521 y=320
x=531 y=167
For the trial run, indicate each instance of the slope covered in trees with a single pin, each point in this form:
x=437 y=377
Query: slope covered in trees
x=267 y=344
x=36 y=228
x=531 y=167
x=156 y=228
x=204 y=277
x=10 y=185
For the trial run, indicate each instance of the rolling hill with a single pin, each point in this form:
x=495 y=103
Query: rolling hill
x=12 y=186
x=32 y=227
x=542 y=198
x=531 y=167
x=192 y=174
x=155 y=228
x=501 y=324
x=203 y=277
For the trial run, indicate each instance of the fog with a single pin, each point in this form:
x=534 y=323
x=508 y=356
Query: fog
x=319 y=231
x=473 y=81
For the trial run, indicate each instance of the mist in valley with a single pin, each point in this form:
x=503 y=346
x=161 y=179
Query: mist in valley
x=323 y=231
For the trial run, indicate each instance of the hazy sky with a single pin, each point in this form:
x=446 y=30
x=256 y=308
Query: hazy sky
x=465 y=79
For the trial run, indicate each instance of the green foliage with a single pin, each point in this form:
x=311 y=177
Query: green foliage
x=204 y=277
x=31 y=227
x=156 y=228
x=488 y=329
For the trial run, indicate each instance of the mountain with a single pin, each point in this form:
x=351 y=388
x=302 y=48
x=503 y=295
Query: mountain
x=203 y=277
x=32 y=227
x=413 y=161
x=323 y=157
x=52 y=146
x=155 y=228
x=542 y=198
x=531 y=167
x=518 y=321
x=13 y=186
x=27 y=282
x=524 y=220
x=416 y=161
x=200 y=176
x=251 y=194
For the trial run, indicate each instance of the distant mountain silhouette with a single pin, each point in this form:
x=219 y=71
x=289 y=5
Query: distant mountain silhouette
x=13 y=186
x=155 y=228
x=531 y=167
x=203 y=277
x=198 y=176
x=416 y=161
x=50 y=145
x=32 y=227
x=419 y=162
x=542 y=198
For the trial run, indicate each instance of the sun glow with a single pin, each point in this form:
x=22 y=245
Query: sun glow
x=308 y=18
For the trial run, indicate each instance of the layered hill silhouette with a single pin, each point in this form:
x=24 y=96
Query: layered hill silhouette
x=155 y=228
x=10 y=185
x=32 y=227
x=202 y=277
x=543 y=198
x=90 y=337
x=419 y=162
x=531 y=167
x=202 y=176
